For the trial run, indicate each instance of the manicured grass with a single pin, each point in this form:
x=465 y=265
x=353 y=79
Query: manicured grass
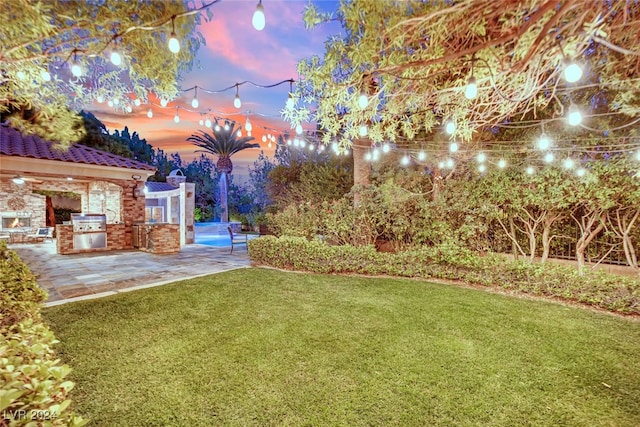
x=262 y=347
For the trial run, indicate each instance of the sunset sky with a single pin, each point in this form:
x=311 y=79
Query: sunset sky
x=234 y=52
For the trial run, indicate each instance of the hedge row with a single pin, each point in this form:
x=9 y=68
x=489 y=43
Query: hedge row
x=611 y=292
x=33 y=389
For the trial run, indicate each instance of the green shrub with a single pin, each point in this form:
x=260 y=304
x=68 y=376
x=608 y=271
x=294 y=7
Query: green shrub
x=33 y=389
x=448 y=261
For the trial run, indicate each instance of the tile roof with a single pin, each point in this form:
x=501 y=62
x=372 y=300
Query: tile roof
x=14 y=143
x=158 y=186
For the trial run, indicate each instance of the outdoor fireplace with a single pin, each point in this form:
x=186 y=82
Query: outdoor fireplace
x=13 y=219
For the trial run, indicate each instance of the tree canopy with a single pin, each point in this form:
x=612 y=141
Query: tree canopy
x=401 y=68
x=40 y=42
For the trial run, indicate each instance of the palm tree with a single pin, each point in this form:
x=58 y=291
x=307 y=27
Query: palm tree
x=223 y=142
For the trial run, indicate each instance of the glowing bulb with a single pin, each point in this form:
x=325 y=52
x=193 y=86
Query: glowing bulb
x=18 y=180
x=164 y=102
x=236 y=102
x=299 y=129
x=116 y=101
x=116 y=59
x=482 y=158
x=129 y=108
x=239 y=133
x=311 y=147
x=544 y=142
x=289 y=142
x=217 y=127
x=226 y=126
x=449 y=163
x=201 y=122
x=363 y=100
x=21 y=75
x=100 y=99
x=302 y=143
x=422 y=156
x=548 y=158
x=346 y=152
x=363 y=130
x=502 y=163
x=258 y=19
x=76 y=69
x=386 y=147
x=450 y=128
x=207 y=123
x=472 y=88
x=45 y=75
x=568 y=163
x=441 y=165
x=375 y=156
x=247 y=125
x=137 y=102
x=194 y=102
x=482 y=168
x=150 y=113
x=575 y=117
x=572 y=72
x=530 y=170
x=110 y=103
x=453 y=147
x=176 y=118
x=269 y=145
x=405 y=160
x=264 y=138
x=174 y=43
x=581 y=172
x=289 y=105
x=367 y=156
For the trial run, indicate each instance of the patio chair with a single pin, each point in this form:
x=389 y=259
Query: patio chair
x=236 y=240
x=41 y=234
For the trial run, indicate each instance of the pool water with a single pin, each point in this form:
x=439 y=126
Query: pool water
x=213 y=240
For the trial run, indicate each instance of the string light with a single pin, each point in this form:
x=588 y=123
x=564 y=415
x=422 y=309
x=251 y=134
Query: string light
x=247 y=125
x=580 y=172
x=76 y=69
x=174 y=44
x=363 y=130
x=207 y=123
x=449 y=163
x=258 y=19
x=363 y=100
x=21 y=75
x=481 y=158
x=422 y=156
x=150 y=113
x=137 y=102
x=450 y=128
x=176 y=118
x=116 y=101
x=226 y=126
x=530 y=170
x=299 y=129
x=548 y=158
x=575 y=117
x=405 y=160
x=572 y=72
x=128 y=108
x=236 y=102
x=115 y=58
x=544 y=142
x=239 y=133
x=163 y=102
x=367 y=156
x=201 y=122
x=194 y=101
x=100 y=98
x=482 y=168
x=217 y=127
x=453 y=147
x=568 y=163
x=502 y=163
x=472 y=88
x=45 y=75
x=110 y=103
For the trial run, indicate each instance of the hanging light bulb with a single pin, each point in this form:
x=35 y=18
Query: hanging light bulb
x=163 y=102
x=346 y=152
x=137 y=102
x=441 y=165
x=422 y=156
x=194 y=101
x=116 y=101
x=453 y=147
x=580 y=172
x=239 y=133
x=302 y=142
x=115 y=58
x=386 y=147
x=226 y=126
x=269 y=145
x=289 y=142
x=572 y=72
x=76 y=69
x=150 y=113
x=216 y=127
x=363 y=100
x=530 y=170
x=548 y=158
x=236 y=102
x=100 y=98
x=21 y=75
x=363 y=130
x=129 y=109
x=258 y=19
x=568 y=163
x=472 y=88
x=481 y=158
x=405 y=160
x=375 y=156
x=264 y=138
x=575 y=116
x=207 y=123
x=289 y=104
x=450 y=128
x=299 y=129
x=449 y=163
x=502 y=163
x=201 y=122
x=174 y=44
x=544 y=142
x=110 y=103
x=247 y=125
x=367 y=156
x=482 y=168
x=45 y=75
x=176 y=118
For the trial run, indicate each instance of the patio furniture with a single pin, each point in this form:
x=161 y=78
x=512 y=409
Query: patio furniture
x=236 y=240
x=41 y=234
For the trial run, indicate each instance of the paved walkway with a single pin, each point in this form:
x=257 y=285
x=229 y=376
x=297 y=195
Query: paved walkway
x=81 y=276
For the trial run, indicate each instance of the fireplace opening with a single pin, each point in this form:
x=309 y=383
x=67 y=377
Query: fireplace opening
x=22 y=220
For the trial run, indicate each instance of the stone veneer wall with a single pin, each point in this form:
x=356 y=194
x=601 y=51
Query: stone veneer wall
x=20 y=198
x=161 y=238
x=115 y=239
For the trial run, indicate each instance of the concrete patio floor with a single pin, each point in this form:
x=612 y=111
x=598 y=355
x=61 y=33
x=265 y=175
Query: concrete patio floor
x=70 y=278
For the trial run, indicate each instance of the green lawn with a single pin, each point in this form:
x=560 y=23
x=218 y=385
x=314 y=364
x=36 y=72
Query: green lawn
x=262 y=347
